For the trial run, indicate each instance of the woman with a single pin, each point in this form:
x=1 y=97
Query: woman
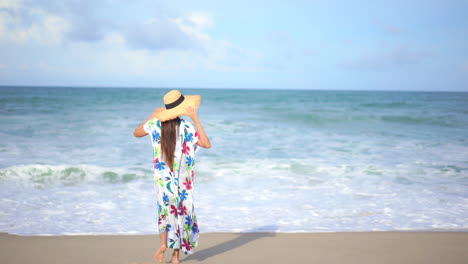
x=175 y=142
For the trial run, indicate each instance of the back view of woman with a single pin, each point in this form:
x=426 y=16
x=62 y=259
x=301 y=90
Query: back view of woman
x=175 y=142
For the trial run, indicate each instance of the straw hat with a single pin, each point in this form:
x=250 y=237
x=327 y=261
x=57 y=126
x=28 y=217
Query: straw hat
x=176 y=105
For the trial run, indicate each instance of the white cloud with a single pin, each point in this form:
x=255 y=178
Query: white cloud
x=157 y=34
x=159 y=46
x=47 y=23
x=11 y=4
x=194 y=24
x=201 y=20
x=112 y=56
x=46 y=28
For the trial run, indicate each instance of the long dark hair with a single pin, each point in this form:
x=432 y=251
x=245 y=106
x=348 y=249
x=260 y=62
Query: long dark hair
x=169 y=136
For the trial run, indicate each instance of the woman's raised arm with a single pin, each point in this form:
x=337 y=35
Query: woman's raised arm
x=139 y=131
x=203 y=140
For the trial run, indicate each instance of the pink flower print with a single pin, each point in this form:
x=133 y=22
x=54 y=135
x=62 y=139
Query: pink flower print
x=173 y=209
x=188 y=184
x=161 y=217
x=185 y=148
x=186 y=245
x=182 y=209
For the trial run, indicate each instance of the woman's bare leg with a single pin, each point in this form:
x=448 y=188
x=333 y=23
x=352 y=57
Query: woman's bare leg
x=159 y=255
x=163 y=238
x=175 y=256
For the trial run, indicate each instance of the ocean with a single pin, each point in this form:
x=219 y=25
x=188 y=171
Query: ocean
x=281 y=161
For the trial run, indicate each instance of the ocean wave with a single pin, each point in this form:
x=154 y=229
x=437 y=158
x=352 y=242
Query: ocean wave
x=321 y=118
x=41 y=176
x=316 y=193
x=433 y=120
x=388 y=105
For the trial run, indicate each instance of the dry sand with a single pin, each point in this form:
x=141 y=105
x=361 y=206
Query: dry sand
x=227 y=248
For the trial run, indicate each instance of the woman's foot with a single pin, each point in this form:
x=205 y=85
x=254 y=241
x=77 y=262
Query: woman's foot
x=175 y=257
x=159 y=255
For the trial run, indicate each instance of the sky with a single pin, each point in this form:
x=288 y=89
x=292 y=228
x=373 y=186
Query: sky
x=337 y=45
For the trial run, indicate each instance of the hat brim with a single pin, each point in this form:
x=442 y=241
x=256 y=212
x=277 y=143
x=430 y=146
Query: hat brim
x=181 y=109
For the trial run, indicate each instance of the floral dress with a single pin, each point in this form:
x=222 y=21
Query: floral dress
x=173 y=188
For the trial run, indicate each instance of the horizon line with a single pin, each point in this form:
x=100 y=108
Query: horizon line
x=221 y=88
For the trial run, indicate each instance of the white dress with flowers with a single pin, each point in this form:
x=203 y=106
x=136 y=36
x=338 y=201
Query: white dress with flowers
x=174 y=188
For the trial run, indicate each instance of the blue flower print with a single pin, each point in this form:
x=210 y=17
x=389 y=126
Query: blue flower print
x=168 y=227
x=195 y=228
x=189 y=161
x=165 y=199
x=156 y=136
x=183 y=195
x=188 y=220
x=159 y=165
x=189 y=137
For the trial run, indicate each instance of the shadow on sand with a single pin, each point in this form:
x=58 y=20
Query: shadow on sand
x=241 y=239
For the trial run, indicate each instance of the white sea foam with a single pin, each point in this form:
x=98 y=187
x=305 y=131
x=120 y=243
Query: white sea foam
x=281 y=195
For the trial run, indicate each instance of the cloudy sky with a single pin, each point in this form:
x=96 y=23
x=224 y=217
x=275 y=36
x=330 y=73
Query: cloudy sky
x=358 y=45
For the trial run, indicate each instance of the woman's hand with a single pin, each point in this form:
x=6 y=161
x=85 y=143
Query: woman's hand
x=191 y=112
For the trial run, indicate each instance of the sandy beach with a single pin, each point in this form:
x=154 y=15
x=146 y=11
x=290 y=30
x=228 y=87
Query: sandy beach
x=341 y=247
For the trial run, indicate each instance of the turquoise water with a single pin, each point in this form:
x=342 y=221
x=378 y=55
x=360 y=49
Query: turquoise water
x=281 y=160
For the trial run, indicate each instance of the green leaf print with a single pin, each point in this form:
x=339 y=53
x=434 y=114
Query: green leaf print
x=172 y=245
x=151 y=123
x=168 y=187
x=176 y=166
x=187 y=227
x=157 y=150
x=165 y=212
x=160 y=182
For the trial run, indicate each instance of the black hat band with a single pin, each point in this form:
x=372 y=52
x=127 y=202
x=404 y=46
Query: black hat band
x=175 y=103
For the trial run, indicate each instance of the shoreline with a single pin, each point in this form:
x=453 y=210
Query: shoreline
x=247 y=247
x=245 y=232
